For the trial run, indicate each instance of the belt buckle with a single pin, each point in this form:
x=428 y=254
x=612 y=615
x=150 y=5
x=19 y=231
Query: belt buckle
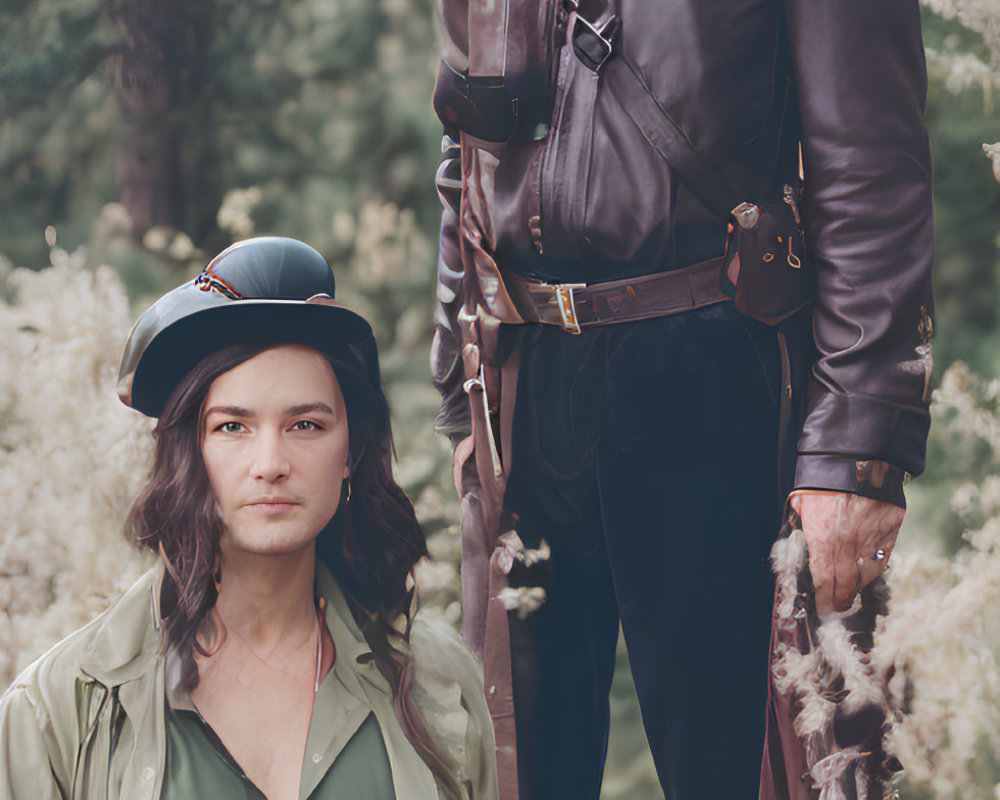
x=566 y=304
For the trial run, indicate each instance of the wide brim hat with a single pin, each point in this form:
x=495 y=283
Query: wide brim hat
x=268 y=290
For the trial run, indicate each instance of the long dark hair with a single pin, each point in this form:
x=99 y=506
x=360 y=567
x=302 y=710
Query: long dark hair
x=370 y=545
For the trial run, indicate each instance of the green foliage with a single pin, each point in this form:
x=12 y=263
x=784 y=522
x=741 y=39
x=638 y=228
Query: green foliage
x=322 y=104
x=961 y=115
x=49 y=47
x=967 y=209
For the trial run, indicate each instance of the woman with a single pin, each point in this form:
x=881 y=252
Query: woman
x=274 y=650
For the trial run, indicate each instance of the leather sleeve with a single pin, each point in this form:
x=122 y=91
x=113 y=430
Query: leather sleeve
x=446 y=352
x=860 y=71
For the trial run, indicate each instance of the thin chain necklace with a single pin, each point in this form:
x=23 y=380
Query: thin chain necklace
x=320 y=620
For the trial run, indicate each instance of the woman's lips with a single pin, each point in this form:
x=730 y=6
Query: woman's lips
x=269 y=506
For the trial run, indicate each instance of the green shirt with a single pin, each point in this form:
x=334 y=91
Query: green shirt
x=198 y=764
x=345 y=753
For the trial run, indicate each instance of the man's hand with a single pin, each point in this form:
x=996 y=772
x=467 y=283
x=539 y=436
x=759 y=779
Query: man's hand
x=850 y=539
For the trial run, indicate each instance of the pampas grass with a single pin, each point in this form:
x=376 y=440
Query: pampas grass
x=71 y=456
x=943 y=630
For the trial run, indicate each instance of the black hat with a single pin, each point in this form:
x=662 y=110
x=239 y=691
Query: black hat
x=268 y=290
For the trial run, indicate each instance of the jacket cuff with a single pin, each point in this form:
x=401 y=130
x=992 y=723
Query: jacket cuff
x=878 y=480
x=861 y=427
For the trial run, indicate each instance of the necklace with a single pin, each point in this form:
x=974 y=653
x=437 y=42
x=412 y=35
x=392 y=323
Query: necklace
x=320 y=620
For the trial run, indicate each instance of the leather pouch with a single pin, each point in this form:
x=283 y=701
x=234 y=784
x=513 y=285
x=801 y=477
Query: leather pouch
x=765 y=270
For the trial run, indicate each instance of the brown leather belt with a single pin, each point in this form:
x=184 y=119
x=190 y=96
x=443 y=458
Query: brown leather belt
x=574 y=306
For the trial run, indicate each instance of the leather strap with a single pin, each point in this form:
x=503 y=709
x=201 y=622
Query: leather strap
x=704 y=180
x=594 y=44
x=577 y=306
x=487 y=31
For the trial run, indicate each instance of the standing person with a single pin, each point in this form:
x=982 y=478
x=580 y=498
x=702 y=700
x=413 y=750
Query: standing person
x=684 y=278
x=274 y=652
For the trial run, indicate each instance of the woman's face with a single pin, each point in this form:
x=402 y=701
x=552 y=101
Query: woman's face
x=274 y=441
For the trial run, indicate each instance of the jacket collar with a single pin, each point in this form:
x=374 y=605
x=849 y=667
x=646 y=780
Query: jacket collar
x=350 y=642
x=126 y=642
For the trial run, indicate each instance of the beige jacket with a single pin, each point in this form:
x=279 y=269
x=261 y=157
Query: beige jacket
x=87 y=719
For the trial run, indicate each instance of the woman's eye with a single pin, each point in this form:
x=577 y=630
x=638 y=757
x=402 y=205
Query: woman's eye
x=230 y=427
x=305 y=425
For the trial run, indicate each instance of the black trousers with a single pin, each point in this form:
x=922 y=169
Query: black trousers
x=645 y=455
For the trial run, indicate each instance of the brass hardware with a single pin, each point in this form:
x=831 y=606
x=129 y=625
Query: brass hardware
x=793 y=260
x=567 y=305
x=925 y=328
x=479 y=382
x=746 y=215
x=788 y=195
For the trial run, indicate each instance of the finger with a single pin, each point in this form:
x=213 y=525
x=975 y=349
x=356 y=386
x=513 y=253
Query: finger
x=824 y=599
x=823 y=549
x=846 y=583
x=822 y=560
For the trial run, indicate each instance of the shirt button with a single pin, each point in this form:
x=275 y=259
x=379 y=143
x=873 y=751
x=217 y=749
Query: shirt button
x=493 y=690
x=317 y=758
x=147 y=774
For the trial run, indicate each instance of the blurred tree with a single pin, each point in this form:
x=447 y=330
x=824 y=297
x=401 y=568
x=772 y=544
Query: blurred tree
x=54 y=120
x=161 y=69
x=168 y=107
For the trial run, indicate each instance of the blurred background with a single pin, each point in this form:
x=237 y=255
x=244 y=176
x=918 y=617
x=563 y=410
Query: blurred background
x=140 y=137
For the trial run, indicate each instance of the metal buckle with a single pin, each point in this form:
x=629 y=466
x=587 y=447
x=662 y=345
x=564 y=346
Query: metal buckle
x=747 y=215
x=601 y=37
x=567 y=305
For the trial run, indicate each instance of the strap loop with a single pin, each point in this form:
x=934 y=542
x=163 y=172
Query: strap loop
x=594 y=45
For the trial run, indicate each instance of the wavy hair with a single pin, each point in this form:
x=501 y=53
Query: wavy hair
x=370 y=545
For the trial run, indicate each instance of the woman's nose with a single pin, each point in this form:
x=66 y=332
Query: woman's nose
x=270 y=461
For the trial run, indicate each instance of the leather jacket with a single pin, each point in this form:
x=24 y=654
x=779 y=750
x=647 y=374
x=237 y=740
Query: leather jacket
x=87 y=719
x=746 y=80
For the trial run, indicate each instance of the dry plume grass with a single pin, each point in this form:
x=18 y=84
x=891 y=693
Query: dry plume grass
x=71 y=456
x=71 y=459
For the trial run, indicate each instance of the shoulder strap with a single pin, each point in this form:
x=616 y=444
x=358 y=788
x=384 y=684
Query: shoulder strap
x=488 y=20
x=705 y=181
